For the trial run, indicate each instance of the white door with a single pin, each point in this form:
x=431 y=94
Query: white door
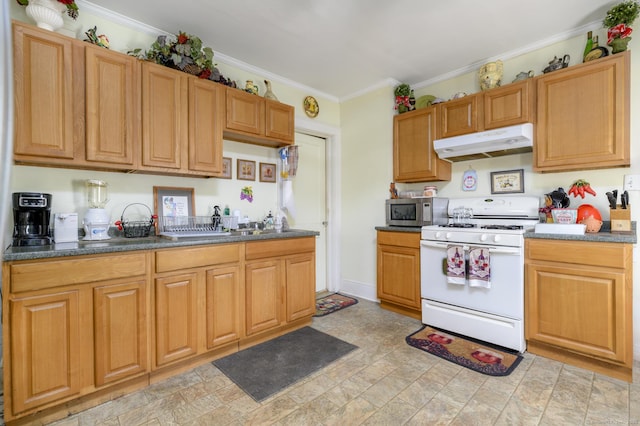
x=310 y=198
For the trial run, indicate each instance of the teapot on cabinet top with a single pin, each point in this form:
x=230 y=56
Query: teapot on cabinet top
x=557 y=63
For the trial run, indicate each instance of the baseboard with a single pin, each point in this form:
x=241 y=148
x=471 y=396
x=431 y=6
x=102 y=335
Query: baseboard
x=359 y=290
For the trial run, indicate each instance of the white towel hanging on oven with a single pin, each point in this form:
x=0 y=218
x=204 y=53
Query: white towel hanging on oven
x=455 y=264
x=479 y=267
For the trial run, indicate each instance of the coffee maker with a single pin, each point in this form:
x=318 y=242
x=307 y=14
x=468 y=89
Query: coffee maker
x=31 y=218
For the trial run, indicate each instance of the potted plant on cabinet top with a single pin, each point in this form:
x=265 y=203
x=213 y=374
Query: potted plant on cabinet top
x=48 y=13
x=618 y=21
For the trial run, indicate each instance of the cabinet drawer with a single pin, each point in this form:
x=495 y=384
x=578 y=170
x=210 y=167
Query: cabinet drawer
x=610 y=255
x=402 y=239
x=276 y=248
x=185 y=258
x=55 y=273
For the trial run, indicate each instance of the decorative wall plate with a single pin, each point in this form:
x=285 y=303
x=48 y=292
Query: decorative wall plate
x=311 y=107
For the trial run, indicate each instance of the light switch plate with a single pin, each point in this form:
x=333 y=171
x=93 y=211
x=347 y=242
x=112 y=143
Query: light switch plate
x=632 y=182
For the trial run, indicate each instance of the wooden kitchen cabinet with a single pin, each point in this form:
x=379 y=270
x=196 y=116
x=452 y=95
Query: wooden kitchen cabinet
x=414 y=159
x=73 y=325
x=460 y=116
x=112 y=108
x=578 y=304
x=398 y=282
x=49 y=97
x=254 y=119
x=197 y=300
x=120 y=330
x=181 y=122
x=509 y=105
x=280 y=284
x=583 y=116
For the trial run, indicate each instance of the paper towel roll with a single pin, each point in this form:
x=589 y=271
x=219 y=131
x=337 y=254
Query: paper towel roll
x=288 y=202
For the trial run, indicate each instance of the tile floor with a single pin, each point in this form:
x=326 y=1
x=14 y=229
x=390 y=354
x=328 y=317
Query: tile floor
x=384 y=382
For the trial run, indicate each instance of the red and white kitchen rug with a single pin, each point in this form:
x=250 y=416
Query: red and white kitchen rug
x=470 y=353
x=333 y=302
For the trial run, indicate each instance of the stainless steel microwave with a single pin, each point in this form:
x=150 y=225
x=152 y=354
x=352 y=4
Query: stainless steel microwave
x=417 y=211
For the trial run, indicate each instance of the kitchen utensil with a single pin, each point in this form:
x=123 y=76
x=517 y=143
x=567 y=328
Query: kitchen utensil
x=624 y=199
x=612 y=200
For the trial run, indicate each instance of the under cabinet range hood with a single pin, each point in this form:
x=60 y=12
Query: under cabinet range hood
x=491 y=143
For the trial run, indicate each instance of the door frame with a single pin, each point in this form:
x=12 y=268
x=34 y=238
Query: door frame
x=333 y=160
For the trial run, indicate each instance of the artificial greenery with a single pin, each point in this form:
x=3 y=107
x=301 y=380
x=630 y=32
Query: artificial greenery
x=182 y=53
x=402 y=90
x=622 y=13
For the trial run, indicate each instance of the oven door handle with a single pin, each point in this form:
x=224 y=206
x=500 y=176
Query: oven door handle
x=492 y=249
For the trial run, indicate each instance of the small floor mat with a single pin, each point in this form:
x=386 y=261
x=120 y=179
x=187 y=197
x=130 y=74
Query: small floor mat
x=333 y=302
x=470 y=353
x=266 y=369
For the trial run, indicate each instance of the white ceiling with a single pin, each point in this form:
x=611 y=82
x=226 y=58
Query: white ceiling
x=343 y=47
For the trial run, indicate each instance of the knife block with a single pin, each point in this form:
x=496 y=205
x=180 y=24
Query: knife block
x=620 y=219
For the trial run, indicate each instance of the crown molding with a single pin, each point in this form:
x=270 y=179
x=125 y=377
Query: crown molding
x=219 y=57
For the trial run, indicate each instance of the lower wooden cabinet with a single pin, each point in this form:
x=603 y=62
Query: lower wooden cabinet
x=398 y=284
x=81 y=330
x=120 y=330
x=578 y=304
x=176 y=317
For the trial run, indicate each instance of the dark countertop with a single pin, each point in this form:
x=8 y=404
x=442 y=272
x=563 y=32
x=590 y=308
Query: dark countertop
x=121 y=244
x=604 y=236
x=399 y=228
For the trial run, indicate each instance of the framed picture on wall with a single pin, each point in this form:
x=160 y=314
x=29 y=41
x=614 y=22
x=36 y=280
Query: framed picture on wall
x=226 y=168
x=246 y=170
x=507 y=182
x=267 y=172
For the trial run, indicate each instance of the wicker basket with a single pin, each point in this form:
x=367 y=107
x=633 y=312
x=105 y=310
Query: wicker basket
x=136 y=228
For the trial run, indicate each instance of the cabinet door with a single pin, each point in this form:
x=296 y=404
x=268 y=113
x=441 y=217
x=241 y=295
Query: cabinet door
x=579 y=308
x=461 y=116
x=279 y=121
x=583 y=116
x=164 y=117
x=263 y=304
x=120 y=331
x=414 y=159
x=46 y=361
x=206 y=109
x=245 y=112
x=509 y=105
x=49 y=95
x=301 y=286
x=113 y=107
x=399 y=275
x=175 y=318
x=224 y=317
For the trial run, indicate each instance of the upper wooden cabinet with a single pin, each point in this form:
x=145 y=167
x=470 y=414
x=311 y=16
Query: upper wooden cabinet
x=414 y=159
x=583 y=116
x=181 y=122
x=256 y=120
x=49 y=96
x=112 y=108
x=509 y=105
x=460 y=116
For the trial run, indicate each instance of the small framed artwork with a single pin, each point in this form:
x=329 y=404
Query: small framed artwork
x=507 y=182
x=246 y=170
x=173 y=202
x=226 y=168
x=267 y=172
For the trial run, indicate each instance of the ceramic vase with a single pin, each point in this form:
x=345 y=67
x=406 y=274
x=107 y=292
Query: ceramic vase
x=619 y=44
x=46 y=13
x=490 y=75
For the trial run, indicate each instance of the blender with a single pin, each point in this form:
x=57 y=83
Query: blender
x=96 y=220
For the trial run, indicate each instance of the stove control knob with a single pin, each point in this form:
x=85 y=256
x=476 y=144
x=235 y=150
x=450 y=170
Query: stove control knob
x=483 y=237
x=448 y=236
x=438 y=235
x=496 y=238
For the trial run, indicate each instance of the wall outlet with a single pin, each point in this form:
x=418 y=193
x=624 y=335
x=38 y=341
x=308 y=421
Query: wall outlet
x=632 y=182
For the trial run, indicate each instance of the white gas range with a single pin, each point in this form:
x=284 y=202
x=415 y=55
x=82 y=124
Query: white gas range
x=472 y=268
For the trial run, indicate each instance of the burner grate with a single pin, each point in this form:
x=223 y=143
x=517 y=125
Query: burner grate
x=508 y=227
x=459 y=225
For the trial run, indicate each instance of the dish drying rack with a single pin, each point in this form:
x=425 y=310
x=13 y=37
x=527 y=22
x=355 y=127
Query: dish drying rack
x=194 y=226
